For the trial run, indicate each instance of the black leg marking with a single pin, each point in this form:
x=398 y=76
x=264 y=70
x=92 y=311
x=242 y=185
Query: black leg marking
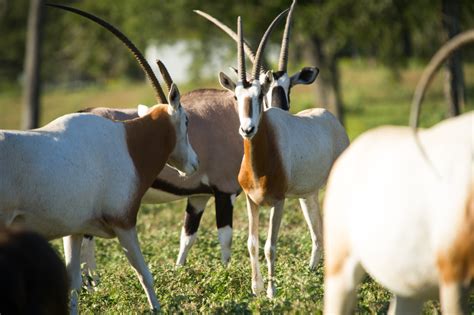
x=89 y=237
x=224 y=209
x=192 y=219
x=175 y=190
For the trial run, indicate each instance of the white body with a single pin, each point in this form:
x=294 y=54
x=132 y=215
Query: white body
x=84 y=174
x=392 y=213
x=309 y=142
x=66 y=177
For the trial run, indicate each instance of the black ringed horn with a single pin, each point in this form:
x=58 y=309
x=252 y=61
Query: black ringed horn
x=165 y=74
x=138 y=55
x=263 y=42
x=283 y=62
x=441 y=55
x=248 y=51
x=240 y=53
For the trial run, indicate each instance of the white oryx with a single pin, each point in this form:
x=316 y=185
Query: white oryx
x=213 y=122
x=284 y=156
x=400 y=206
x=85 y=174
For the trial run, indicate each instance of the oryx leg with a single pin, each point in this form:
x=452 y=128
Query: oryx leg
x=312 y=215
x=88 y=263
x=252 y=244
x=224 y=212
x=72 y=256
x=276 y=214
x=129 y=241
x=192 y=219
x=342 y=269
x=454 y=297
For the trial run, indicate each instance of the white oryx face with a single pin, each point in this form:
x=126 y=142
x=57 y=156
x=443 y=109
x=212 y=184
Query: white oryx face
x=249 y=105
x=183 y=158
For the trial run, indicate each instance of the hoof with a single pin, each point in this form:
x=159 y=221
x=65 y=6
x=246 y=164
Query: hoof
x=271 y=291
x=257 y=287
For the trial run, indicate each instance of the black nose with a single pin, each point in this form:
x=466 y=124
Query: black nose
x=248 y=130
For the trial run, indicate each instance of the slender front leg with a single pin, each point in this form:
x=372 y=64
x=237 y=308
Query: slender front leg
x=88 y=264
x=192 y=219
x=340 y=283
x=312 y=215
x=276 y=215
x=252 y=244
x=72 y=256
x=129 y=241
x=224 y=211
x=454 y=297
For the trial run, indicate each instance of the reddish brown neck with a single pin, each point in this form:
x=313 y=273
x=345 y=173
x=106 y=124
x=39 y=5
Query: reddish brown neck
x=150 y=140
x=262 y=166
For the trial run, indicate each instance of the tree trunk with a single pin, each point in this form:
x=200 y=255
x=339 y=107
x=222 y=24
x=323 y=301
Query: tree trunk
x=327 y=91
x=454 y=89
x=31 y=97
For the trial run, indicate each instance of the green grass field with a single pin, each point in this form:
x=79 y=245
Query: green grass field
x=372 y=96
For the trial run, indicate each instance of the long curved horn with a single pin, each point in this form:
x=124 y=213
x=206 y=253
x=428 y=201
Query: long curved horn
x=165 y=74
x=248 y=51
x=138 y=55
x=443 y=53
x=240 y=52
x=263 y=42
x=283 y=62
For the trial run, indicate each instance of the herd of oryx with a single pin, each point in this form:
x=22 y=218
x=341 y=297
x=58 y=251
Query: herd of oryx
x=399 y=202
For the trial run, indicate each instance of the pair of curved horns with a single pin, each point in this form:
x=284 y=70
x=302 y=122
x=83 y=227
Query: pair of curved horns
x=435 y=63
x=160 y=95
x=283 y=59
x=257 y=66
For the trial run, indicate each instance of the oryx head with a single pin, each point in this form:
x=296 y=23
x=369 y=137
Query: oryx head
x=183 y=158
x=249 y=93
x=276 y=85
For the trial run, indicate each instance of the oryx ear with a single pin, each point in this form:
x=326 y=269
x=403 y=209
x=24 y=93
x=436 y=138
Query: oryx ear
x=307 y=75
x=142 y=110
x=226 y=82
x=174 y=97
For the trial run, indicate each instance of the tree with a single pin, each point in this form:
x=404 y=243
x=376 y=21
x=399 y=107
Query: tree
x=31 y=102
x=454 y=76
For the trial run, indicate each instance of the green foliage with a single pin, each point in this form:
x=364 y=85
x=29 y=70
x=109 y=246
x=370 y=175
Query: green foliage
x=76 y=49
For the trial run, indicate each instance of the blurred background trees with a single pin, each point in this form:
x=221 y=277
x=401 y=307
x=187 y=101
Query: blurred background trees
x=391 y=32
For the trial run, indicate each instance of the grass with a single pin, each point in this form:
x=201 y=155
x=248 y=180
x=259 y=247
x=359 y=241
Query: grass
x=372 y=97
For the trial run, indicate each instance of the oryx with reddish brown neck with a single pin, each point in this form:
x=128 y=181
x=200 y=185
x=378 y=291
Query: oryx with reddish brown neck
x=400 y=206
x=284 y=156
x=276 y=85
x=84 y=174
x=220 y=155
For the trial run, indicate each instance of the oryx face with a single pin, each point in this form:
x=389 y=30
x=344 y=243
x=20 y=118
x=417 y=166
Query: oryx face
x=249 y=103
x=183 y=158
x=276 y=88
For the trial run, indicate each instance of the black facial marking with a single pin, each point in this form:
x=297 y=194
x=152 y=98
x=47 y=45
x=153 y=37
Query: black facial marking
x=279 y=98
x=224 y=209
x=192 y=218
x=278 y=74
x=178 y=191
x=248 y=107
